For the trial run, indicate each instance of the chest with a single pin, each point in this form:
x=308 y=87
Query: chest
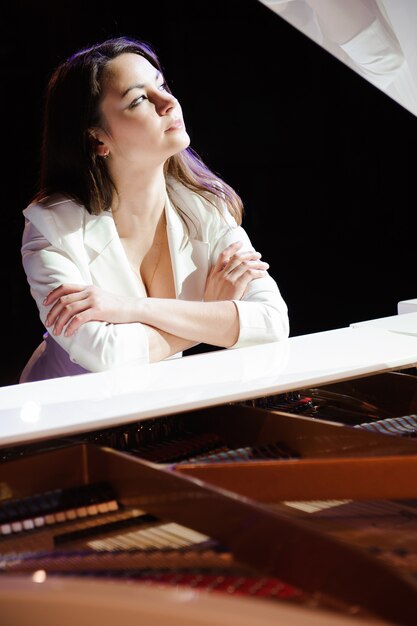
x=152 y=266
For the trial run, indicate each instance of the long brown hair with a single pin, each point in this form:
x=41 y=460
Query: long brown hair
x=69 y=163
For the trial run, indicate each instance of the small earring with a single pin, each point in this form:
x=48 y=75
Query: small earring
x=106 y=155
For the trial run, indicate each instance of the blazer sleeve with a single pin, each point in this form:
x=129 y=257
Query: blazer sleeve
x=263 y=313
x=96 y=346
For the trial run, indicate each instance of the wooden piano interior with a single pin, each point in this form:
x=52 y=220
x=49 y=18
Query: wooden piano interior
x=290 y=498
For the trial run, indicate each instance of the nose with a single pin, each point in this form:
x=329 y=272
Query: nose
x=165 y=102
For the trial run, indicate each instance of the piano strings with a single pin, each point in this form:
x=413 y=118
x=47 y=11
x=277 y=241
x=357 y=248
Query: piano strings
x=386 y=529
x=85 y=531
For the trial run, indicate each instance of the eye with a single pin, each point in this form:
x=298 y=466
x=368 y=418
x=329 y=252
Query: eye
x=137 y=101
x=163 y=87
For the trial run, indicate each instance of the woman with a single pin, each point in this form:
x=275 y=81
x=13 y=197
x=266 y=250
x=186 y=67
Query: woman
x=132 y=248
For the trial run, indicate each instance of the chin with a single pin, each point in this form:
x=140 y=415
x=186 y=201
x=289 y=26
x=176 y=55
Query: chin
x=184 y=139
x=182 y=143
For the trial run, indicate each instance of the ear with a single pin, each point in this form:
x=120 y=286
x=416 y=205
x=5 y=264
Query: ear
x=97 y=145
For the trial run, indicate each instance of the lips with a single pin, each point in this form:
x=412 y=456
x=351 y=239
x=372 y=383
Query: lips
x=176 y=124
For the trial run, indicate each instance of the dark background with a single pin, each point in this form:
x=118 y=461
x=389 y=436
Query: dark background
x=324 y=162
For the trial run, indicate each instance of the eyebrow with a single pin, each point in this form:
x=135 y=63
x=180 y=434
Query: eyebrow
x=139 y=85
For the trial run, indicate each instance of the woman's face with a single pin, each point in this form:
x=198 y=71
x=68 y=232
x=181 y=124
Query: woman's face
x=142 y=121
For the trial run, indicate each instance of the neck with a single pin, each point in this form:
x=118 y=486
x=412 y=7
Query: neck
x=140 y=201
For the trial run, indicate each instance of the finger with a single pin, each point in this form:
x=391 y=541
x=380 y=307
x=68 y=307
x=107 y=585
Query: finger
x=245 y=273
x=77 y=320
x=68 y=313
x=61 y=303
x=226 y=254
x=235 y=268
x=238 y=259
x=249 y=255
x=62 y=290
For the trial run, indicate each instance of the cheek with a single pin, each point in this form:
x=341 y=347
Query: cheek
x=133 y=126
x=136 y=134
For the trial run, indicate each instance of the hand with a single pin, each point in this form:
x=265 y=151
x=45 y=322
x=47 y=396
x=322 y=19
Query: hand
x=232 y=272
x=76 y=304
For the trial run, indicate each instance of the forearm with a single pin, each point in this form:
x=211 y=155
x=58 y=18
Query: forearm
x=214 y=323
x=162 y=345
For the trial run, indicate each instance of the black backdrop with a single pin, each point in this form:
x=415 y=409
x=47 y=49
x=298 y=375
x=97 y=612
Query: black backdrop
x=324 y=162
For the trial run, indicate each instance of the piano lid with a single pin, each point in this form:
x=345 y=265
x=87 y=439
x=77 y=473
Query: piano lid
x=375 y=38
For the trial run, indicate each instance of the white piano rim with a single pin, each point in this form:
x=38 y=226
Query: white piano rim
x=405 y=323
x=53 y=408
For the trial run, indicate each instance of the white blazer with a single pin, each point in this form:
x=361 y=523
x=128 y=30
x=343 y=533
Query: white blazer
x=63 y=243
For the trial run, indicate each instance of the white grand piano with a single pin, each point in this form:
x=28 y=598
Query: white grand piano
x=270 y=485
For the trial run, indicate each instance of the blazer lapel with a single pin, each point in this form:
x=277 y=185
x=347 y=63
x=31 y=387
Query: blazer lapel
x=189 y=257
x=109 y=266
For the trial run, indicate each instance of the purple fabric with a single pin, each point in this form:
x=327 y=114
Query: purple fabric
x=49 y=360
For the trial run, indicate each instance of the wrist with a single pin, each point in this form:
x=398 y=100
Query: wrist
x=135 y=309
x=140 y=307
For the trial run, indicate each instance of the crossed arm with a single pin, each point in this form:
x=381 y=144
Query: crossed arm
x=171 y=325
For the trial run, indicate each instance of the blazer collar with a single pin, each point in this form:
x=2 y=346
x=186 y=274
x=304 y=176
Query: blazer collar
x=189 y=256
x=70 y=226
x=100 y=230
